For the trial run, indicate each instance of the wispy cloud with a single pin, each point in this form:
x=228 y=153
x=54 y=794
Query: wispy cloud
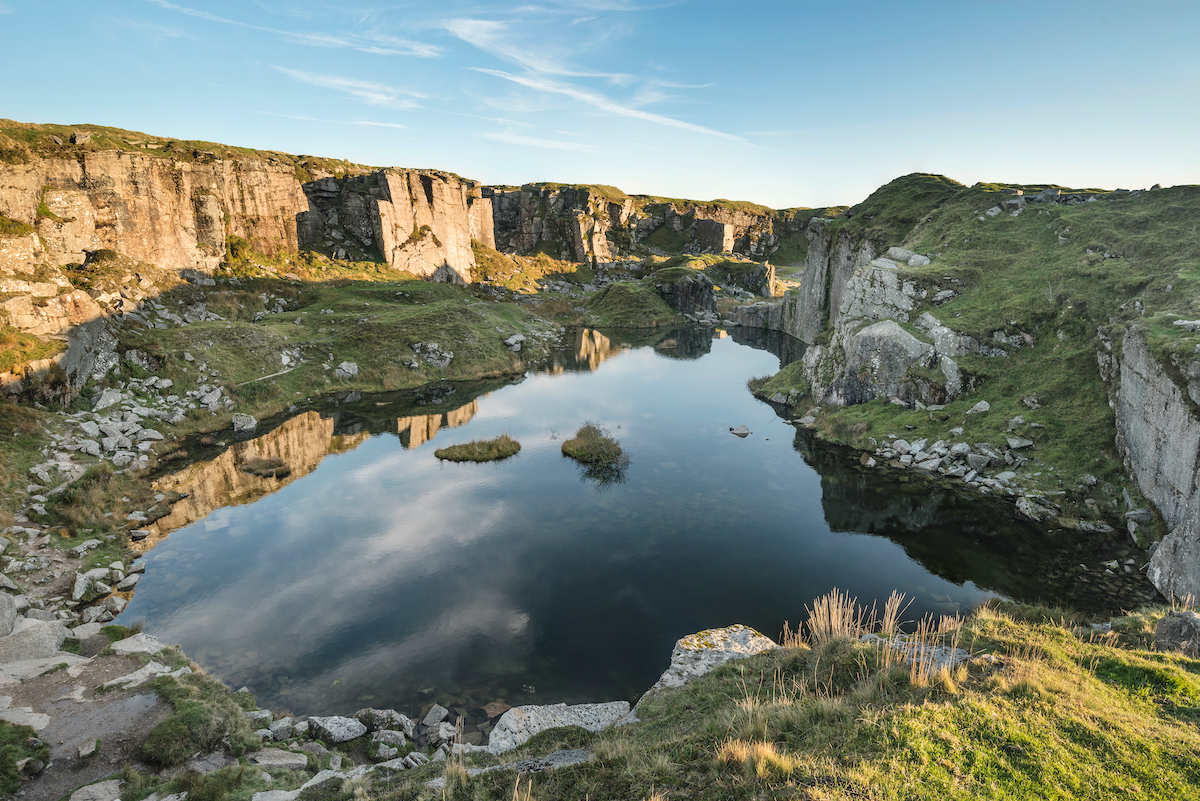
x=494 y=37
x=604 y=103
x=367 y=123
x=369 y=92
x=5 y=8
x=378 y=44
x=511 y=138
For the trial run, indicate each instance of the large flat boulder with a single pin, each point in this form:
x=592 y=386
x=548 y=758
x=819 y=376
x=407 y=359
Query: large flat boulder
x=520 y=723
x=336 y=729
x=279 y=759
x=32 y=639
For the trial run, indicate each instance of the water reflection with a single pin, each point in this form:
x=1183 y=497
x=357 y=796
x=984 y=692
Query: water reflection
x=375 y=574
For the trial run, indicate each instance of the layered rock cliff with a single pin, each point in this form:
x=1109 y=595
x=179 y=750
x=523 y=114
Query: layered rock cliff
x=602 y=224
x=421 y=222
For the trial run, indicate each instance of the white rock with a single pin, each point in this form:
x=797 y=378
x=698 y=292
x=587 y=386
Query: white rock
x=435 y=715
x=244 y=422
x=107 y=398
x=140 y=643
x=279 y=759
x=32 y=639
x=979 y=408
x=520 y=723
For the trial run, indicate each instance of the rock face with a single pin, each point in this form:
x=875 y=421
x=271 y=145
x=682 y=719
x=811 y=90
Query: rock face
x=687 y=290
x=832 y=261
x=1158 y=435
x=418 y=221
x=602 y=224
x=520 y=723
x=174 y=214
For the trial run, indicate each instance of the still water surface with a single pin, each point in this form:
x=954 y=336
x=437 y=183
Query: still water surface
x=377 y=575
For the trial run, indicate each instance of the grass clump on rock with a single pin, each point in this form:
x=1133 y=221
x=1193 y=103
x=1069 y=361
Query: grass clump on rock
x=480 y=450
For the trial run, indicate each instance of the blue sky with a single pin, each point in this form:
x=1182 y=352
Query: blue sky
x=790 y=103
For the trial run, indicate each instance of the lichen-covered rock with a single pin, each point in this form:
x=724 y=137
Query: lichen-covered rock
x=386 y=720
x=697 y=654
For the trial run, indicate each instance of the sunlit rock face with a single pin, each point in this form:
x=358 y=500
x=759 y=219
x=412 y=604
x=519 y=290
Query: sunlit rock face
x=417 y=221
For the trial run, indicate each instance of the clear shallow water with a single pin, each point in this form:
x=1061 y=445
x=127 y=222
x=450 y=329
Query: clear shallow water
x=377 y=575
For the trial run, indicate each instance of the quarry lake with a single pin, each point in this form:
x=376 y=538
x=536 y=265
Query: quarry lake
x=375 y=575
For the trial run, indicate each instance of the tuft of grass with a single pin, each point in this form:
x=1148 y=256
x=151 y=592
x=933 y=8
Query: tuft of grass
x=480 y=450
x=603 y=460
x=17 y=743
x=10 y=228
x=204 y=713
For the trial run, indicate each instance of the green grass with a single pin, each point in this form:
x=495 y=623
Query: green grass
x=10 y=228
x=204 y=713
x=603 y=460
x=14 y=746
x=480 y=450
x=626 y=304
x=1039 y=712
x=18 y=348
x=19 y=142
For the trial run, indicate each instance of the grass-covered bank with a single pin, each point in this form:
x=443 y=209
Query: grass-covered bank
x=1044 y=705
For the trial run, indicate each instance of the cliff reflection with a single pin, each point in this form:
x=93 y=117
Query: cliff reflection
x=247 y=471
x=959 y=535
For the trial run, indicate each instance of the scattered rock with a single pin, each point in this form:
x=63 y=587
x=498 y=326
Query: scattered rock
x=102 y=791
x=345 y=370
x=697 y=654
x=979 y=408
x=740 y=431
x=244 y=422
x=279 y=759
x=140 y=643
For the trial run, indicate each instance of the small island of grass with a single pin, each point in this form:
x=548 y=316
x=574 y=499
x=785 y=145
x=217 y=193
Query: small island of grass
x=480 y=450
x=600 y=454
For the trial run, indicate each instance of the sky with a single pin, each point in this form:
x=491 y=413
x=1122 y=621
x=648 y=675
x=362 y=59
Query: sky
x=781 y=102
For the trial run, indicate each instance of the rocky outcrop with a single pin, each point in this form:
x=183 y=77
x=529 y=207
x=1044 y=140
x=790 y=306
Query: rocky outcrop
x=833 y=259
x=571 y=223
x=1158 y=435
x=418 y=221
x=690 y=291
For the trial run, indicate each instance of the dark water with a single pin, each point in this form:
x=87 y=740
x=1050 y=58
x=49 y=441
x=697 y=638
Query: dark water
x=384 y=577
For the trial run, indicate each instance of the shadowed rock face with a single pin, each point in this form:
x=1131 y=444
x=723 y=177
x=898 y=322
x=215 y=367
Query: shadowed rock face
x=1158 y=435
